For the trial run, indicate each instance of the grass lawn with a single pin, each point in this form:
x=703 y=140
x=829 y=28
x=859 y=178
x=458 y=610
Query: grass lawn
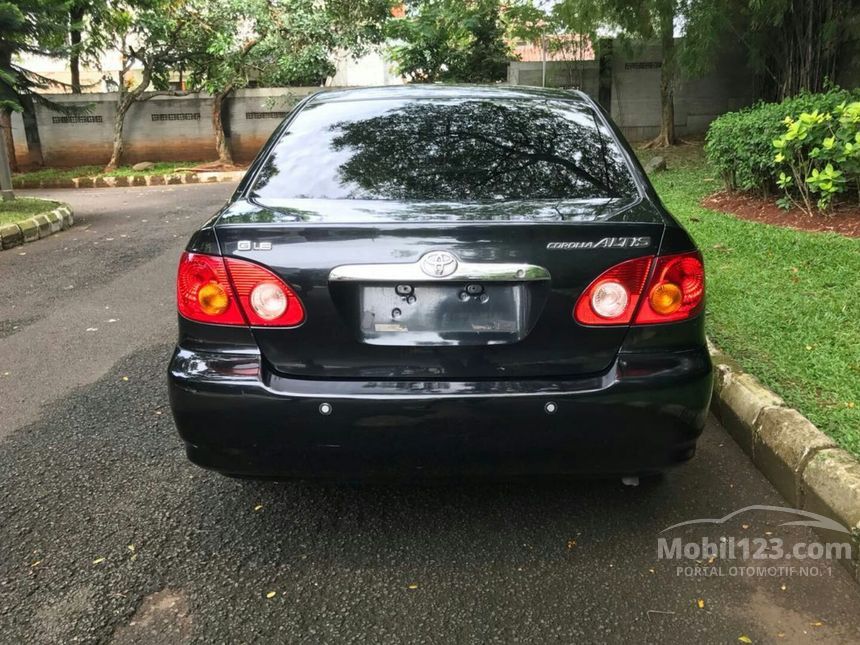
x=14 y=210
x=50 y=174
x=785 y=304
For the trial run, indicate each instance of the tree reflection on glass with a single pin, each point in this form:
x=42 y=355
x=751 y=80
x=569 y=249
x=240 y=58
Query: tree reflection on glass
x=477 y=150
x=463 y=151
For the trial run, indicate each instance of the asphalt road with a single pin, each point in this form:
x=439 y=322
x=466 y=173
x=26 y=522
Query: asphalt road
x=107 y=534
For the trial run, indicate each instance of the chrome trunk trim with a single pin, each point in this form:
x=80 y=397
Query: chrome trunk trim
x=416 y=271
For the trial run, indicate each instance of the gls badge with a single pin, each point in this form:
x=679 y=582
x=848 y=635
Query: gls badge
x=248 y=245
x=605 y=243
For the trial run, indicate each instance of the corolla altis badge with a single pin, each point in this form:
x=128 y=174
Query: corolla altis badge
x=247 y=245
x=604 y=243
x=438 y=264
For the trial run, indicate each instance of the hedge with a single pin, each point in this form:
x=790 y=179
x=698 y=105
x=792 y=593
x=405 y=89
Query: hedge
x=739 y=145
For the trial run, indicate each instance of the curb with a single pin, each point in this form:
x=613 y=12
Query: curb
x=36 y=227
x=132 y=180
x=806 y=466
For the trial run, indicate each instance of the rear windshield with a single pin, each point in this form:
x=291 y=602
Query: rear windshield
x=465 y=150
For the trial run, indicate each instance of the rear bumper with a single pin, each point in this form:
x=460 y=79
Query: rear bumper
x=235 y=416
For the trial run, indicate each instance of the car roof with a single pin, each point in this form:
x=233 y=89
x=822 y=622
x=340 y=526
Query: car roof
x=441 y=92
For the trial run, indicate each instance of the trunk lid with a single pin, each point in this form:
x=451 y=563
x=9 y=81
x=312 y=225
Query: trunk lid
x=374 y=279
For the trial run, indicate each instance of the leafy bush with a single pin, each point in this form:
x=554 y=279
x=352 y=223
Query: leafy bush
x=821 y=152
x=740 y=144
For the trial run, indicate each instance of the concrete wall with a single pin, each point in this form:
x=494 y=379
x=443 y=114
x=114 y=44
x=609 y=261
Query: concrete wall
x=635 y=90
x=636 y=93
x=255 y=113
x=581 y=75
x=159 y=129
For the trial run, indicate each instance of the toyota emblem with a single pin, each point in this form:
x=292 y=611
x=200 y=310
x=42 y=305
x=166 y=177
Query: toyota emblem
x=439 y=264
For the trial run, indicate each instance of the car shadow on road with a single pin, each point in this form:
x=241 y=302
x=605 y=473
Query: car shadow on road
x=442 y=519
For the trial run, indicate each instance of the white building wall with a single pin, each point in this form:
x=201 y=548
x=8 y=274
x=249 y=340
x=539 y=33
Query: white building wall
x=369 y=70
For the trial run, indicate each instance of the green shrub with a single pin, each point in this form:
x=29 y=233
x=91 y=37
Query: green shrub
x=739 y=144
x=821 y=152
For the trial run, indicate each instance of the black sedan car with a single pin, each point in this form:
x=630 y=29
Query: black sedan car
x=438 y=279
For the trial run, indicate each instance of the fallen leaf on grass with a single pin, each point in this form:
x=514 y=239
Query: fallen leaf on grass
x=413 y=586
x=743 y=638
x=258 y=507
x=271 y=594
x=98 y=560
x=571 y=544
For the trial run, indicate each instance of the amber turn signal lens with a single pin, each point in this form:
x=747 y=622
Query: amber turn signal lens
x=213 y=299
x=666 y=298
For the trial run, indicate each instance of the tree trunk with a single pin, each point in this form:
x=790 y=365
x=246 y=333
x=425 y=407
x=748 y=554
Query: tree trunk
x=6 y=113
x=125 y=100
x=667 y=80
x=118 y=122
x=6 y=125
x=76 y=16
x=222 y=145
x=31 y=132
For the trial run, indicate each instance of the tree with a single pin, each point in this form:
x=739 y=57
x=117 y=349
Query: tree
x=456 y=40
x=215 y=52
x=26 y=27
x=639 y=20
x=230 y=43
x=148 y=34
x=794 y=45
x=87 y=36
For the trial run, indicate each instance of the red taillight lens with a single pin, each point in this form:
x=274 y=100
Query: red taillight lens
x=203 y=291
x=612 y=298
x=265 y=298
x=227 y=291
x=676 y=290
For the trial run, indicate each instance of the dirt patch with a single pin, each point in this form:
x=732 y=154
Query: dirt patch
x=845 y=221
x=216 y=166
x=778 y=624
x=163 y=617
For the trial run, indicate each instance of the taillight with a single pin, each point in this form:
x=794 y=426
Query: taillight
x=612 y=298
x=264 y=297
x=203 y=291
x=227 y=291
x=676 y=290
